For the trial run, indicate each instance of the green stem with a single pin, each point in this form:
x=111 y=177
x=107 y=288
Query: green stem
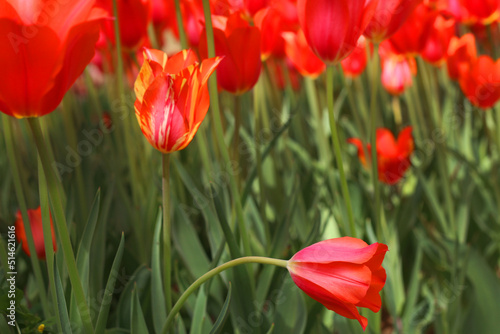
x=193 y=287
x=337 y=148
x=217 y=123
x=127 y=131
x=14 y=167
x=312 y=98
x=48 y=242
x=180 y=24
x=61 y=225
x=167 y=256
x=373 y=141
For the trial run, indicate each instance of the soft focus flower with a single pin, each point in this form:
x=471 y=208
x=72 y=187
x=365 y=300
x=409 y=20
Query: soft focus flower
x=388 y=18
x=35 y=220
x=356 y=62
x=273 y=21
x=481 y=83
x=332 y=28
x=393 y=156
x=172 y=97
x=301 y=55
x=461 y=53
x=43 y=52
x=484 y=11
x=407 y=39
x=342 y=274
x=436 y=38
x=134 y=17
x=239 y=44
x=397 y=69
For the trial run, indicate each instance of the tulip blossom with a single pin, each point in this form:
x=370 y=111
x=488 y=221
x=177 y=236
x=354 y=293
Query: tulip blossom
x=172 y=97
x=407 y=39
x=273 y=21
x=342 y=274
x=461 y=53
x=134 y=17
x=481 y=82
x=393 y=156
x=239 y=44
x=397 y=70
x=332 y=28
x=436 y=39
x=484 y=11
x=43 y=52
x=301 y=55
x=35 y=220
x=388 y=18
x=356 y=62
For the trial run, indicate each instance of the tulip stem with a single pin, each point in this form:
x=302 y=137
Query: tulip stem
x=180 y=24
x=61 y=225
x=167 y=256
x=217 y=270
x=373 y=140
x=337 y=148
x=14 y=167
x=217 y=123
x=47 y=233
x=127 y=132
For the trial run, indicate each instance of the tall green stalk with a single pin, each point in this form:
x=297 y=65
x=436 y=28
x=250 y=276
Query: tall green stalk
x=373 y=141
x=217 y=123
x=62 y=229
x=337 y=149
x=14 y=167
x=167 y=256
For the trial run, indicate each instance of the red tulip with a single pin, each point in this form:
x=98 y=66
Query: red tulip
x=273 y=21
x=134 y=17
x=342 y=274
x=388 y=18
x=35 y=220
x=407 y=39
x=397 y=70
x=172 y=97
x=436 y=39
x=481 y=83
x=301 y=55
x=461 y=53
x=332 y=28
x=253 y=6
x=393 y=156
x=239 y=44
x=484 y=11
x=356 y=62
x=45 y=47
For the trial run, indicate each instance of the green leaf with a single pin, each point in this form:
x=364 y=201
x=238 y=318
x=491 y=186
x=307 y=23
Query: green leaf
x=224 y=313
x=291 y=312
x=83 y=255
x=61 y=303
x=485 y=295
x=139 y=280
x=200 y=311
x=137 y=322
x=157 y=293
x=110 y=288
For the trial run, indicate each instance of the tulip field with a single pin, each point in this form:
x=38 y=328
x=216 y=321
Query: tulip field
x=249 y=166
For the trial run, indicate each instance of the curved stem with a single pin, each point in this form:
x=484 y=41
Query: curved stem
x=214 y=101
x=167 y=256
x=61 y=225
x=337 y=149
x=212 y=273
